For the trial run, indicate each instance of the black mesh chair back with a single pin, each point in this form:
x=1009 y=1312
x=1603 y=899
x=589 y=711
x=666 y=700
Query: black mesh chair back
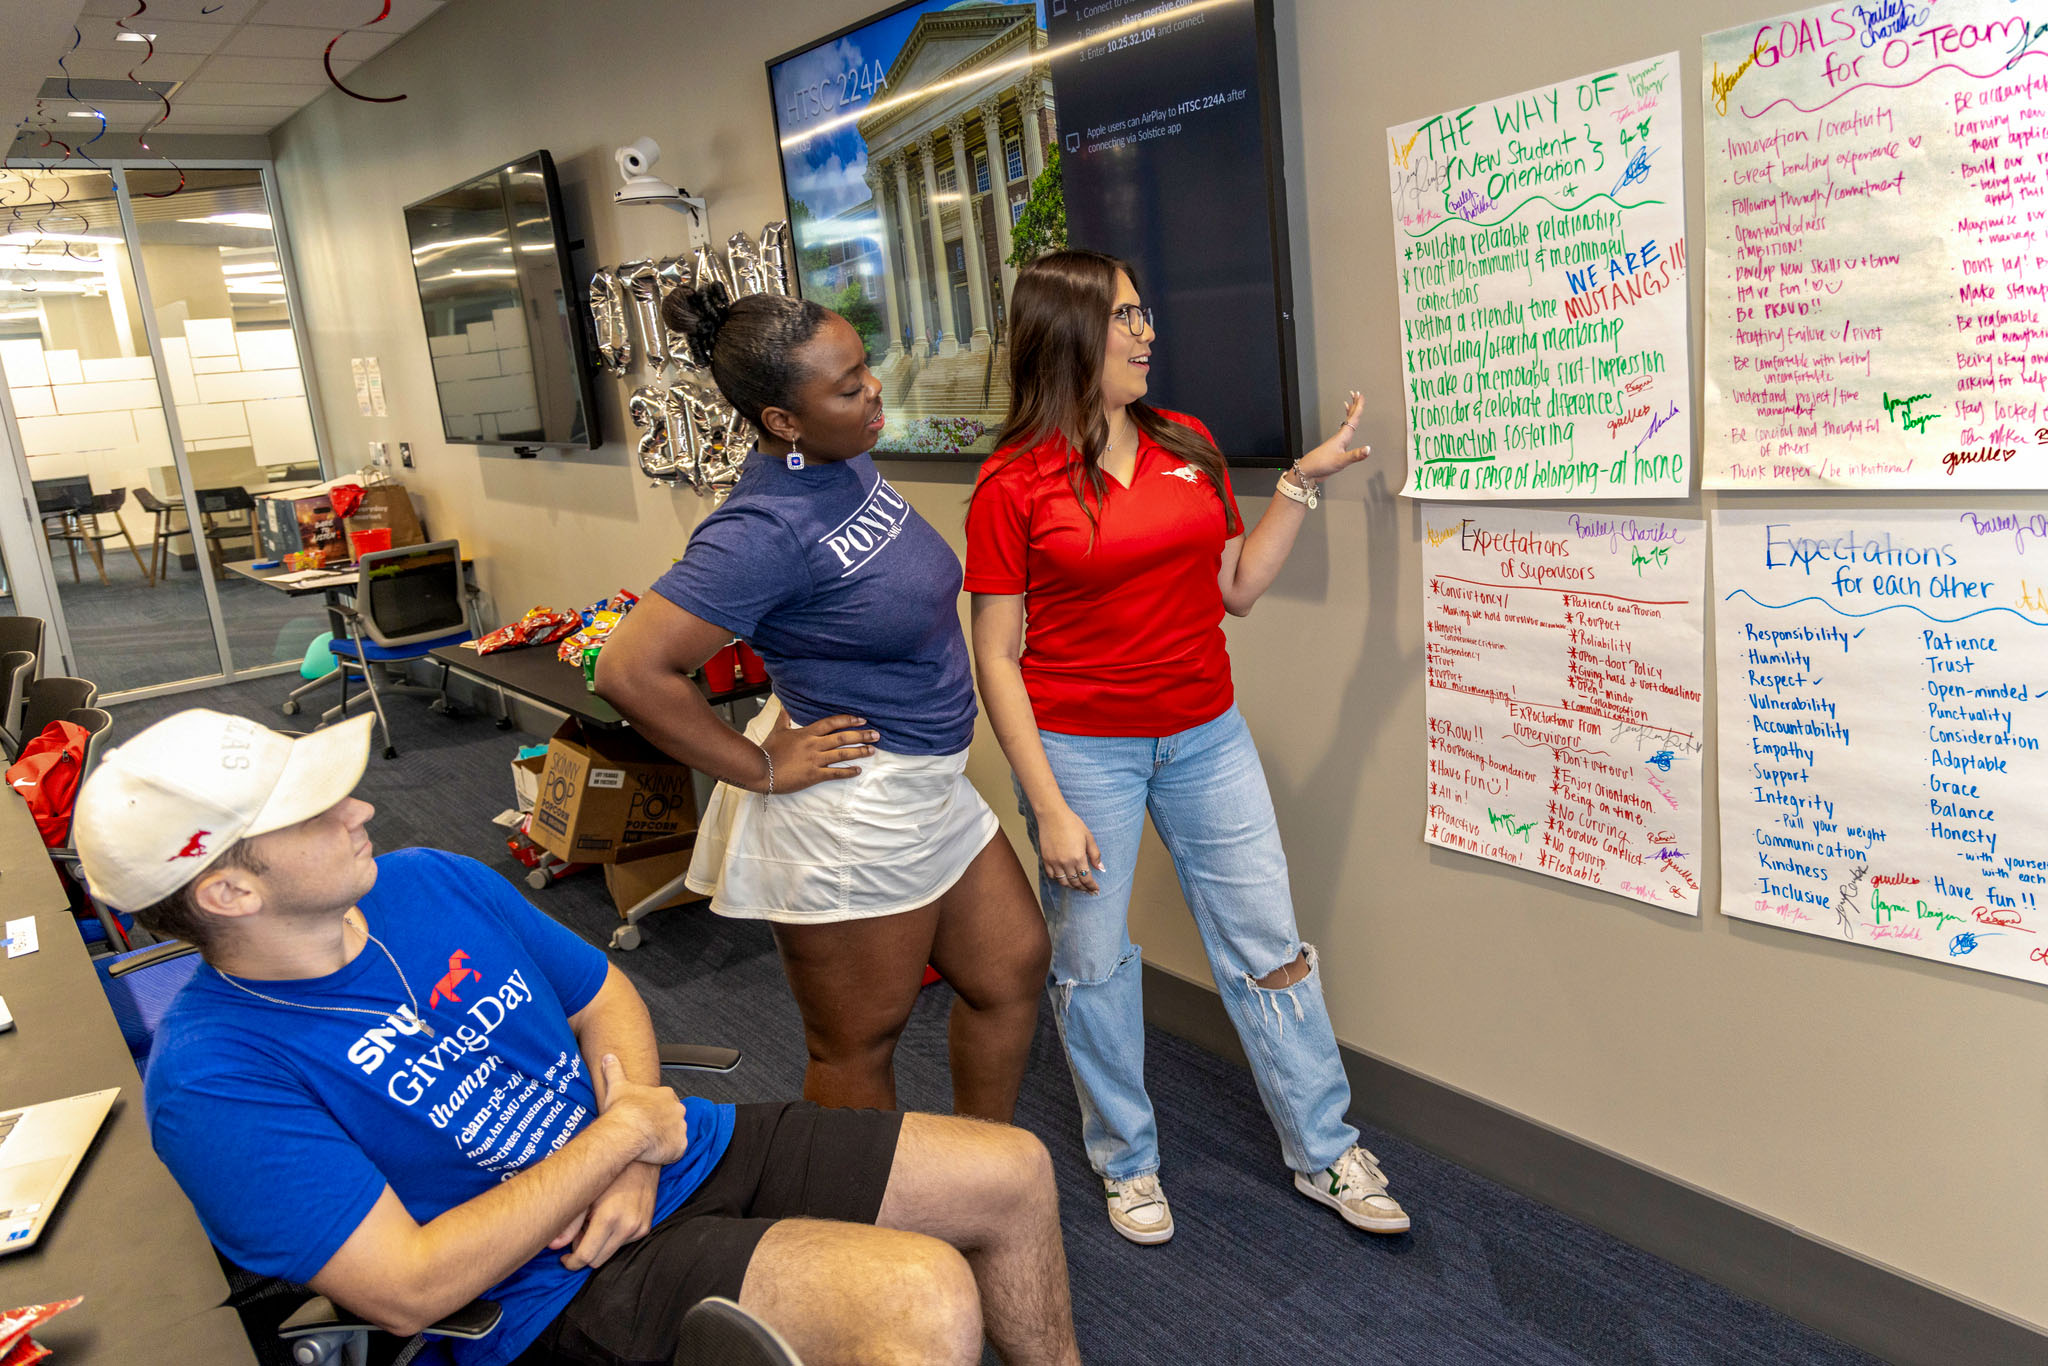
x=56 y=497
x=52 y=699
x=17 y=667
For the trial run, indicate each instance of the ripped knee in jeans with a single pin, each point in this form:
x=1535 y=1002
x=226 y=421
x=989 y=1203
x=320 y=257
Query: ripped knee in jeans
x=1063 y=987
x=1282 y=982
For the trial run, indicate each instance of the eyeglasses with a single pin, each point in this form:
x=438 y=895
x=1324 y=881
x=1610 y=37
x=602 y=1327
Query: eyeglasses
x=1134 y=317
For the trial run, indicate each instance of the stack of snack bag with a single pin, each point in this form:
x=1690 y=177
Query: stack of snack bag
x=540 y=626
x=598 y=620
x=17 y=1348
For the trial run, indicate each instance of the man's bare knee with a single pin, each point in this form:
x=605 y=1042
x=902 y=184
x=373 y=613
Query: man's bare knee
x=855 y=1293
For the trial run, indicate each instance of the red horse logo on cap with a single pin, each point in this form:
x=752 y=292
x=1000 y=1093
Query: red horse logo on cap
x=192 y=847
x=456 y=975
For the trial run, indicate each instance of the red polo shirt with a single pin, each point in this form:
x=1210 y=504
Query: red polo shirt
x=1124 y=636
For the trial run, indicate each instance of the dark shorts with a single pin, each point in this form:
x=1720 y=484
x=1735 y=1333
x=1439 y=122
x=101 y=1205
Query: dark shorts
x=790 y=1160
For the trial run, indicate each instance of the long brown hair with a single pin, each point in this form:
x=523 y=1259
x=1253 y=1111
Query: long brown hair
x=1059 y=326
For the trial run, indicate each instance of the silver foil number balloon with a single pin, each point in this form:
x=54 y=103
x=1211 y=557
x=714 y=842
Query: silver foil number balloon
x=743 y=259
x=608 y=315
x=644 y=407
x=644 y=286
x=775 y=257
x=673 y=276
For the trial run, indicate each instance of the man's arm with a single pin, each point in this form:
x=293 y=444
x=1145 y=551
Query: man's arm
x=403 y=1275
x=615 y=1022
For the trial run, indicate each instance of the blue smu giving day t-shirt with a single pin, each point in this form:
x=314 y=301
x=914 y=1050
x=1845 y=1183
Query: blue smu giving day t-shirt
x=850 y=598
x=284 y=1124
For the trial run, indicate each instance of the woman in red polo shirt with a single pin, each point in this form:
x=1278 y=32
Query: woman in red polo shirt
x=1110 y=528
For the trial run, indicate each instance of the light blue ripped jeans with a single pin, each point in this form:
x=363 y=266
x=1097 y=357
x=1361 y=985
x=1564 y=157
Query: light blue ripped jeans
x=1208 y=799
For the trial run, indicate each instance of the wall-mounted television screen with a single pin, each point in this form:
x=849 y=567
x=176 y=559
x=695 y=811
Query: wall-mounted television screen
x=512 y=363
x=931 y=151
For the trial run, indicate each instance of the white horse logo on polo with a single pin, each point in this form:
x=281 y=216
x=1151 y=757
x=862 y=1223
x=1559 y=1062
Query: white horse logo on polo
x=1187 y=472
x=878 y=521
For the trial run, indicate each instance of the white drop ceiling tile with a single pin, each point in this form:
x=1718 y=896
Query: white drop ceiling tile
x=275 y=95
x=322 y=14
x=279 y=40
x=284 y=70
x=226 y=13
x=261 y=118
x=114 y=62
x=170 y=35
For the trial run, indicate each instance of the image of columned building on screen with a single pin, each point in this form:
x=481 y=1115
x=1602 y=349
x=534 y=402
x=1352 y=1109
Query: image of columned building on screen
x=920 y=156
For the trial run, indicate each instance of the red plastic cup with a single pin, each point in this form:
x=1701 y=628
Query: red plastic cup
x=361 y=543
x=752 y=670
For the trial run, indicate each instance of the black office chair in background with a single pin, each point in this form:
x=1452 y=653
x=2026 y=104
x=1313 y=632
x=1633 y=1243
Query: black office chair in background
x=50 y=699
x=408 y=601
x=226 y=501
x=99 y=522
x=164 y=528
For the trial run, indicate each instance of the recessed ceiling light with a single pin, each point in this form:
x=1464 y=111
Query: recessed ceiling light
x=125 y=37
x=235 y=220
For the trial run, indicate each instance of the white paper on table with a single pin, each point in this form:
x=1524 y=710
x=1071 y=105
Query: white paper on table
x=1565 y=664
x=21 y=936
x=1541 y=259
x=1881 y=717
x=1877 y=248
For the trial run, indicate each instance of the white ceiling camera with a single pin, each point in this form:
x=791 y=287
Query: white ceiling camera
x=636 y=160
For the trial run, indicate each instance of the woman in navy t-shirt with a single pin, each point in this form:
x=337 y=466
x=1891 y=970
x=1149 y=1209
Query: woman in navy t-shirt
x=844 y=816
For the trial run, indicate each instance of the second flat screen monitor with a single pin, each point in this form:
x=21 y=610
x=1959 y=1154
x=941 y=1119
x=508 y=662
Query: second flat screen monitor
x=931 y=151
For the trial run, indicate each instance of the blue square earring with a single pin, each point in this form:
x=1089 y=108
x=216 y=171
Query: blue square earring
x=795 y=458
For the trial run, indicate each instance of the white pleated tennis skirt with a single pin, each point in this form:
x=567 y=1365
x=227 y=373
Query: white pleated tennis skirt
x=890 y=840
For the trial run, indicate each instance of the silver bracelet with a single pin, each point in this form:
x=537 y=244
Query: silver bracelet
x=769 y=759
x=1306 y=491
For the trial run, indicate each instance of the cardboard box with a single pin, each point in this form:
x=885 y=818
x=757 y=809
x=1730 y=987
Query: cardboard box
x=632 y=883
x=303 y=519
x=526 y=781
x=287 y=523
x=608 y=796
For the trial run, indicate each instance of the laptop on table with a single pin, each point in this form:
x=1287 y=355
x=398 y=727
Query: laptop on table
x=40 y=1147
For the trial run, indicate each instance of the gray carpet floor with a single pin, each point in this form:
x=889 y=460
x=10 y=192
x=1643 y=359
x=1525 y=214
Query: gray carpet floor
x=1255 y=1273
x=128 y=633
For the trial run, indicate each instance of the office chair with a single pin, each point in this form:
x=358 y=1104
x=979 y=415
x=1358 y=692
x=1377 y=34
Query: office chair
x=51 y=699
x=17 y=667
x=230 y=498
x=163 y=530
x=85 y=527
x=106 y=928
x=408 y=602
x=717 y=1332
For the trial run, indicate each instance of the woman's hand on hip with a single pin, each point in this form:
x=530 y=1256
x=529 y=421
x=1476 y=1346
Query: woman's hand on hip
x=1335 y=454
x=1068 y=852
x=804 y=756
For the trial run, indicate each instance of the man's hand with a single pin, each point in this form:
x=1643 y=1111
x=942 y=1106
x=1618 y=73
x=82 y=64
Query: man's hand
x=655 y=1111
x=622 y=1215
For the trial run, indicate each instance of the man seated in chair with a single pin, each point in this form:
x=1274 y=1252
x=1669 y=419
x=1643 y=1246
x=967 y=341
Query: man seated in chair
x=396 y=1081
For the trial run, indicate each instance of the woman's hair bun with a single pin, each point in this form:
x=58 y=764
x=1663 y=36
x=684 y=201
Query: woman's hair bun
x=697 y=315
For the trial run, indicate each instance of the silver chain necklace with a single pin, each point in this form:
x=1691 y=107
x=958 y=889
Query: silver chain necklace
x=425 y=1028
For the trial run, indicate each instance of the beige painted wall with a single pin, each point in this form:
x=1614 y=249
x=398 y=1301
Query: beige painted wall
x=1890 y=1106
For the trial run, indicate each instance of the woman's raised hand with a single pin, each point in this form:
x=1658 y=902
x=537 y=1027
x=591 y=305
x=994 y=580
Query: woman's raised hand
x=804 y=756
x=1334 y=455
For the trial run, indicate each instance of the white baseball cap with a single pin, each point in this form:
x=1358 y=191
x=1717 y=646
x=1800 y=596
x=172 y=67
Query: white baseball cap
x=155 y=813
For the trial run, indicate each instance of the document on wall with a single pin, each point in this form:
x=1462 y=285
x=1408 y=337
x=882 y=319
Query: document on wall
x=375 y=378
x=362 y=379
x=1565 y=665
x=1541 y=255
x=1877 y=248
x=1881 y=721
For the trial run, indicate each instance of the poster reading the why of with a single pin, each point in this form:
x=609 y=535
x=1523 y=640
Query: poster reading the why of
x=1877 y=248
x=1881 y=720
x=1565 y=663
x=1540 y=249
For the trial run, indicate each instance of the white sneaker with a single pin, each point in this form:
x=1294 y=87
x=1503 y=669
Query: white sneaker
x=1356 y=1188
x=1138 y=1209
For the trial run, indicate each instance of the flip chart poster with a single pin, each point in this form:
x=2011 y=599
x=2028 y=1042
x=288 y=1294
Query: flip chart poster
x=1877 y=247
x=1565 y=662
x=1881 y=718
x=1541 y=256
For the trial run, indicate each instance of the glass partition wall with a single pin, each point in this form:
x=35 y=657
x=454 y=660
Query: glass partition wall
x=149 y=351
